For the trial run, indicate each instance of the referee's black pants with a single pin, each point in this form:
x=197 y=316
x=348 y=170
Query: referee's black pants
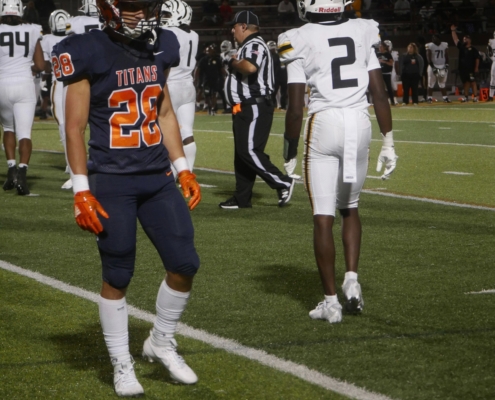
x=251 y=128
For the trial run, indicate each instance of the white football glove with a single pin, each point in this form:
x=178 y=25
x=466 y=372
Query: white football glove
x=387 y=156
x=289 y=167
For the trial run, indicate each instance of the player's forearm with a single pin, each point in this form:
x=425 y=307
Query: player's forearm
x=380 y=101
x=242 y=66
x=76 y=103
x=295 y=113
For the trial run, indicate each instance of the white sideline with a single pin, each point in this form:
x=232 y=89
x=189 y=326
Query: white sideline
x=297 y=370
x=397 y=196
x=488 y=291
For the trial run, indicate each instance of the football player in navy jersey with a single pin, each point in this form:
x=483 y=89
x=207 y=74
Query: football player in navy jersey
x=116 y=80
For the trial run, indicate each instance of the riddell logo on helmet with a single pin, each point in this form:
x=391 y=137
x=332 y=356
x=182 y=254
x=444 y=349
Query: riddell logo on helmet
x=330 y=9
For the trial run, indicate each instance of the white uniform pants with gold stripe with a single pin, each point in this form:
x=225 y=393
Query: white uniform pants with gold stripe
x=325 y=139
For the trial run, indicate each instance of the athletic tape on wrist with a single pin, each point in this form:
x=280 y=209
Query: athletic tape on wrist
x=180 y=164
x=80 y=183
x=388 y=139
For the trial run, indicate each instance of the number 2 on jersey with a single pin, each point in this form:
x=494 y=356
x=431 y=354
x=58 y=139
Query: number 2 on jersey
x=149 y=131
x=338 y=82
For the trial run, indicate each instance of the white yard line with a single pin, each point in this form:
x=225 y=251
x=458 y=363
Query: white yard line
x=457 y=173
x=488 y=291
x=230 y=346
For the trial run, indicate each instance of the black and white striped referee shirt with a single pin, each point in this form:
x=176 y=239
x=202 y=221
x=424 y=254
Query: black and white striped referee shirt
x=239 y=88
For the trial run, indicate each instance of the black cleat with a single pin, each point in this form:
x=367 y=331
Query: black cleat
x=21 y=184
x=11 y=178
x=232 y=204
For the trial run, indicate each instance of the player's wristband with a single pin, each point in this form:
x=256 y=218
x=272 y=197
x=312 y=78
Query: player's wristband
x=79 y=183
x=290 y=148
x=388 y=139
x=180 y=164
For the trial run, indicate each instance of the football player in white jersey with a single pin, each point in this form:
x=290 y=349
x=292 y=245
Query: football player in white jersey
x=57 y=21
x=491 y=54
x=90 y=18
x=20 y=56
x=176 y=17
x=395 y=66
x=335 y=57
x=437 y=53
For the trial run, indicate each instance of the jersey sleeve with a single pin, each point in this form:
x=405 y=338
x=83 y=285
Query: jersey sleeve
x=295 y=72
x=288 y=48
x=168 y=49
x=45 y=46
x=73 y=57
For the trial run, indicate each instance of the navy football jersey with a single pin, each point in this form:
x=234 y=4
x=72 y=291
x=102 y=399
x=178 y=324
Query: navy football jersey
x=126 y=83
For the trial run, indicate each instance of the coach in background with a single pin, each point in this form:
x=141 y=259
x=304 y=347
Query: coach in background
x=469 y=62
x=411 y=70
x=337 y=134
x=249 y=89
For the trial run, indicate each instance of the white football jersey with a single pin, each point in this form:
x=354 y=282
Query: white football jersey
x=17 y=45
x=438 y=53
x=491 y=43
x=82 y=24
x=188 y=48
x=47 y=43
x=334 y=60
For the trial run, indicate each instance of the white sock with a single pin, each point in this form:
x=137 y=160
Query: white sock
x=329 y=300
x=190 y=152
x=350 y=275
x=170 y=304
x=11 y=163
x=113 y=318
x=22 y=165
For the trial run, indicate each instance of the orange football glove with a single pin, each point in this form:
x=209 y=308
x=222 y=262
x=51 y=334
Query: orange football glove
x=85 y=209
x=190 y=188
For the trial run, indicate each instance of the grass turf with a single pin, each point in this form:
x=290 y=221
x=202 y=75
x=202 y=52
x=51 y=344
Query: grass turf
x=420 y=336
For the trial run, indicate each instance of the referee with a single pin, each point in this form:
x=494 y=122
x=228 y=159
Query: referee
x=248 y=88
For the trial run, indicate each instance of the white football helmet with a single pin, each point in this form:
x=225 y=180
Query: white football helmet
x=11 y=8
x=176 y=13
x=321 y=7
x=271 y=45
x=226 y=45
x=89 y=8
x=388 y=43
x=58 y=21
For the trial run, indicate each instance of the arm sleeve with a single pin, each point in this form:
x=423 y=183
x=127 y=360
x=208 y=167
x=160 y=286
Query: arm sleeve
x=74 y=55
x=295 y=72
x=288 y=49
x=254 y=52
x=373 y=62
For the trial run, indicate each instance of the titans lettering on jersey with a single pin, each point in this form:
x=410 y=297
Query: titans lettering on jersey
x=334 y=59
x=126 y=83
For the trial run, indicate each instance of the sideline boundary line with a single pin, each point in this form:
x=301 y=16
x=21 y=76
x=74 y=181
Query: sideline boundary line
x=379 y=193
x=367 y=191
x=230 y=346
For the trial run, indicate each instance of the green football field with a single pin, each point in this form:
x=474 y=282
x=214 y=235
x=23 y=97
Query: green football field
x=427 y=330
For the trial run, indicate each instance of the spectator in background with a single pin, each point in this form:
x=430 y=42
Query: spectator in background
x=402 y=10
x=211 y=12
x=467 y=16
x=488 y=16
x=226 y=12
x=469 y=62
x=30 y=14
x=44 y=8
x=385 y=10
x=427 y=21
x=444 y=13
x=424 y=74
x=212 y=71
x=386 y=64
x=411 y=69
x=286 y=12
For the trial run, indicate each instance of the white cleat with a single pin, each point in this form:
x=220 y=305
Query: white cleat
x=354 y=302
x=332 y=313
x=67 y=185
x=125 y=381
x=168 y=357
